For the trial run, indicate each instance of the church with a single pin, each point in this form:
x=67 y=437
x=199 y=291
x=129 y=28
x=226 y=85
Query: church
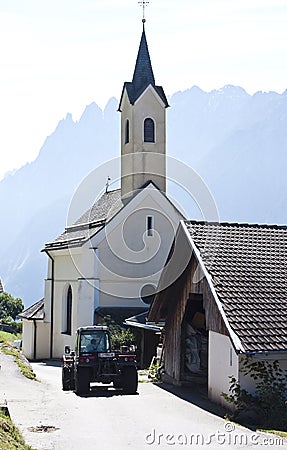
x=219 y=289
x=109 y=261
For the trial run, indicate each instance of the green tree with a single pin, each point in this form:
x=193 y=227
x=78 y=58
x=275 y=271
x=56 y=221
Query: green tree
x=10 y=307
x=119 y=335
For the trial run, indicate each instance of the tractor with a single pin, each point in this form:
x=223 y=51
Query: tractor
x=93 y=360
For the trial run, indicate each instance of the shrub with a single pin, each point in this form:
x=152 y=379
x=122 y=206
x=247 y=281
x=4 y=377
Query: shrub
x=268 y=403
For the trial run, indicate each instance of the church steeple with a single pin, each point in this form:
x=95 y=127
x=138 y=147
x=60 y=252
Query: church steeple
x=143 y=73
x=143 y=127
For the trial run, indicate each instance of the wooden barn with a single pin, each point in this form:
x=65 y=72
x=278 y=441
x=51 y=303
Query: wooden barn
x=222 y=296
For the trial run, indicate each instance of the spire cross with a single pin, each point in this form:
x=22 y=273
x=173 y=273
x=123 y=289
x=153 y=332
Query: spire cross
x=143 y=4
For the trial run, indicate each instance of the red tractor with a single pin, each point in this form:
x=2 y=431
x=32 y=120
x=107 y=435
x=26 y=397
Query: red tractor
x=93 y=360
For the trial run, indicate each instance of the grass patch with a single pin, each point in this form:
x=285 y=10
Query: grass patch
x=10 y=436
x=8 y=337
x=20 y=360
x=282 y=434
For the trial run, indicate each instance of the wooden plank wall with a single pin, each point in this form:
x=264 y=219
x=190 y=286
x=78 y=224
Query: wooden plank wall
x=192 y=281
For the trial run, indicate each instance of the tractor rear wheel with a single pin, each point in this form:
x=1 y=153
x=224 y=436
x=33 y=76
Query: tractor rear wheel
x=82 y=381
x=130 y=380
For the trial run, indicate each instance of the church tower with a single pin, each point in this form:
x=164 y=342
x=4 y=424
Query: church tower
x=143 y=128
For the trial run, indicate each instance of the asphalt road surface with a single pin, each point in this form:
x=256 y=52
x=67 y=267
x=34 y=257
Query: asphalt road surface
x=159 y=416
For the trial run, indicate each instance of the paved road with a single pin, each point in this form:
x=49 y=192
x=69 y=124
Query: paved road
x=158 y=417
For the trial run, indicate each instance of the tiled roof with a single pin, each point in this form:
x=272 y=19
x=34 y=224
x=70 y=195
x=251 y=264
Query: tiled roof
x=106 y=207
x=1 y=287
x=90 y=222
x=34 y=312
x=248 y=265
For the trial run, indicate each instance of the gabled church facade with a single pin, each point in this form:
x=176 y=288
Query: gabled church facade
x=110 y=260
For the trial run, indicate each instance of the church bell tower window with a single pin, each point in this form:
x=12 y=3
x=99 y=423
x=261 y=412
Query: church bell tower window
x=149 y=132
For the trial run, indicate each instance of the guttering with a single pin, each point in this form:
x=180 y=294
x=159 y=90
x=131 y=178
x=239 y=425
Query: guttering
x=235 y=339
x=264 y=352
x=52 y=304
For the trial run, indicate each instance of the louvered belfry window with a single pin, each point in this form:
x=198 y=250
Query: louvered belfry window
x=149 y=134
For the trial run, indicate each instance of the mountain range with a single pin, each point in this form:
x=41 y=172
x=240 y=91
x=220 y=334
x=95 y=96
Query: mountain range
x=236 y=142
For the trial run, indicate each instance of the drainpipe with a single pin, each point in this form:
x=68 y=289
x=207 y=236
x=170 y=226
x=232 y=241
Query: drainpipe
x=52 y=305
x=35 y=339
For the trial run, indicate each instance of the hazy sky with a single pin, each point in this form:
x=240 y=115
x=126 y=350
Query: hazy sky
x=58 y=56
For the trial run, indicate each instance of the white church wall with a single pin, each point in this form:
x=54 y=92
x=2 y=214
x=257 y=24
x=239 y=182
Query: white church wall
x=86 y=302
x=128 y=257
x=77 y=268
x=47 y=297
x=60 y=337
x=67 y=270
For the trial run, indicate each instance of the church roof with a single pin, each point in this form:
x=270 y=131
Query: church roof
x=95 y=218
x=92 y=221
x=143 y=75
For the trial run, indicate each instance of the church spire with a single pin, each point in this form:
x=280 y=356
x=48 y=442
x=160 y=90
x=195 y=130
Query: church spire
x=143 y=73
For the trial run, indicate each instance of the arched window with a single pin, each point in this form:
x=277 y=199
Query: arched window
x=127 y=132
x=67 y=312
x=149 y=134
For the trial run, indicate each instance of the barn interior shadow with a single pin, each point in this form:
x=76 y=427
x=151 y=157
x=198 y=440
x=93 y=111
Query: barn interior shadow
x=196 y=394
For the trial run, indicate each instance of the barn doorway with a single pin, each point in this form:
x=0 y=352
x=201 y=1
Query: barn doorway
x=194 y=348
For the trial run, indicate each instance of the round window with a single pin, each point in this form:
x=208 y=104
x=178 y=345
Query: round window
x=147 y=293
